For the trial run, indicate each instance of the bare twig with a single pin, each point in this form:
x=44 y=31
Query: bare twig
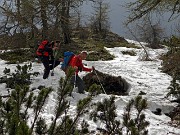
x=147 y=56
x=4 y=96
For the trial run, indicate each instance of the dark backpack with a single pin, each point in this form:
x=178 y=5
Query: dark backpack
x=67 y=58
x=40 y=51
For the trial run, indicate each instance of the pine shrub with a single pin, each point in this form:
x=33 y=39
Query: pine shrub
x=174 y=89
x=21 y=76
x=106 y=113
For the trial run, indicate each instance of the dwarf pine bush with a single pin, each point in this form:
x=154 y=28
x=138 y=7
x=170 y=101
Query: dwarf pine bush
x=135 y=125
x=174 y=89
x=21 y=76
x=68 y=125
x=22 y=106
x=14 y=112
x=106 y=113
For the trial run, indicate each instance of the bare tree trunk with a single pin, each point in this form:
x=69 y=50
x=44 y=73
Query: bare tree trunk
x=18 y=10
x=156 y=33
x=100 y=17
x=57 y=24
x=43 y=4
x=65 y=21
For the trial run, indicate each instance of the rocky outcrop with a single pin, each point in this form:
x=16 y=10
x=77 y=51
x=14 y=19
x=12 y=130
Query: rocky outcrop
x=175 y=116
x=112 y=84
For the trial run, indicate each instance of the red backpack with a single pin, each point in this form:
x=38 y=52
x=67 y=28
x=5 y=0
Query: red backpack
x=41 y=51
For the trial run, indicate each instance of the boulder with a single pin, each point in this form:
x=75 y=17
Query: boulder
x=112 y=84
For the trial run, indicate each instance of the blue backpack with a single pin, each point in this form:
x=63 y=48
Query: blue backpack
x=67 y=57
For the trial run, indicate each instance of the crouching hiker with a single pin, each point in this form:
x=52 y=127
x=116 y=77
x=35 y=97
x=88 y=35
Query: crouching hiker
x=76 y=63
x=45 y=54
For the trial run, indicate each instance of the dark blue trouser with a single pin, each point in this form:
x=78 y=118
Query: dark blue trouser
x=48 y=65
x=78 y=82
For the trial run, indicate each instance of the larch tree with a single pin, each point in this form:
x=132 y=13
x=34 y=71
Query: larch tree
x=140 y=8
x=42 y=19
x=150 y=31
x=100 y=18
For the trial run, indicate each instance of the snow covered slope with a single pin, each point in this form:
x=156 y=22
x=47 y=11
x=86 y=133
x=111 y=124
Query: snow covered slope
x=143 y=76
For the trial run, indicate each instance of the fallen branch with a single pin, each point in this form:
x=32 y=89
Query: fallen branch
x=5 y=96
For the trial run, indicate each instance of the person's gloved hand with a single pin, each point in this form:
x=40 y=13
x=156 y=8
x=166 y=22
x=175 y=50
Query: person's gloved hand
x=55 y=48
x=93 y=69
x=61 y=59
x=80 y=69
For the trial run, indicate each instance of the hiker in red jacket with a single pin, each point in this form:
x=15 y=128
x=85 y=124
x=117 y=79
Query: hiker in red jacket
x=76 y=62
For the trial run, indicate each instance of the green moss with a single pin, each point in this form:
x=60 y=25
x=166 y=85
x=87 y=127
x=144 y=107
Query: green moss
x=94 y=44
x=121 y=44
x=131 y=53
x=16 y=56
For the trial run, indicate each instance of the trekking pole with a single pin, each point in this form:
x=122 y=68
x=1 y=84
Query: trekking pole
x=54 y=54
x=52 y=73
x=100 y=82
x=75 y=80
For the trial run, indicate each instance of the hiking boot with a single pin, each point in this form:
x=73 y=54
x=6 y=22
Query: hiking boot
x=52 y=73
x=46 y=74
x=82 y=92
